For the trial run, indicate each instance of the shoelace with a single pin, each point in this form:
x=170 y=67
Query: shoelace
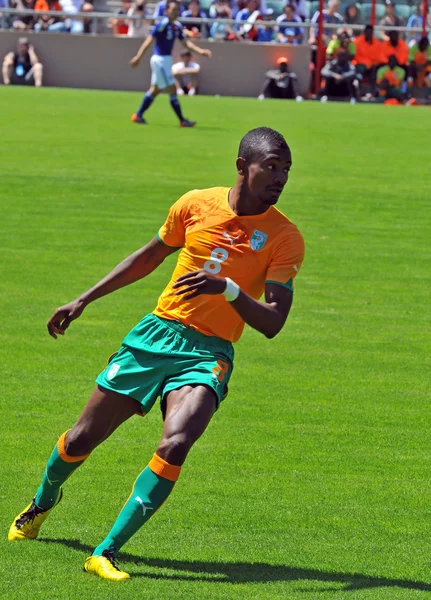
x=28 y=516
x=109 y=554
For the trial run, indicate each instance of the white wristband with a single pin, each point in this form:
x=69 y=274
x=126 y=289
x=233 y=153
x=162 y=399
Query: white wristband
x=232 y=290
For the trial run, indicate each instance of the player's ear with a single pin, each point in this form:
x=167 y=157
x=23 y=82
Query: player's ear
x=240 y=165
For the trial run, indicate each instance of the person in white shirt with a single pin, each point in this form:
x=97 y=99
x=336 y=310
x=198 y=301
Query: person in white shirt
x=138 y=27
x=186 y=74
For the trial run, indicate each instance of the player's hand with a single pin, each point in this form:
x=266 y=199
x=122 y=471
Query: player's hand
x=63 y=317
x=206 y=52
x=135 y=61
x=199 y=282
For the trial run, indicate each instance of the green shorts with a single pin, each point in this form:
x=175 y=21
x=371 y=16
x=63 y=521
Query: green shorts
x=158 y=356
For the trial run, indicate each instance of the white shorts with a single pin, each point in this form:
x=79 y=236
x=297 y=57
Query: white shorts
x=161 y=71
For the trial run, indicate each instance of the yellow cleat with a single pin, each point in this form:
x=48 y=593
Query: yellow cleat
x=105 y=567
x=27 y=524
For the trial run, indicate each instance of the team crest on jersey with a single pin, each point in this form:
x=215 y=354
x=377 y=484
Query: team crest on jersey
x=115 y=367
x=258 y=239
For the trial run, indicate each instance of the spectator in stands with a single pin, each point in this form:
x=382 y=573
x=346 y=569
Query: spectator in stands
x=390 y=19
x=342 y=43
x=394 y=45
x=280 y=83
x=249 y=15
x=4 y=19
x=330 y=16
x=289 y=34
x=186 y=74
x=419 y=71
x=265 y=32
x=73 y=25
x=44 y=21
x=22 y=67
x=352 y=15
x=87 y=22
x=119 y=24
x=196 y=29
x=219 y=6
x=368 y=55
x=416 y=20
x=160 y=8
x=251 y=7
x=390 y=79
x=220 y=31
x=23 y=22
x=299 y=8
x=340 y=79
x=138 y=27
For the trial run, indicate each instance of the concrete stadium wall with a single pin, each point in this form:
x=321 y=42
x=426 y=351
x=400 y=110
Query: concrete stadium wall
x=101 y=62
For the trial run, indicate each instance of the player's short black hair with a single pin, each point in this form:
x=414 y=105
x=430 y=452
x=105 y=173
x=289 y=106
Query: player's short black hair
x=260 y=140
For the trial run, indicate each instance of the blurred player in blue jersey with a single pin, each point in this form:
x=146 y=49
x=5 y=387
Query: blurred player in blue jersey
x=164 y=33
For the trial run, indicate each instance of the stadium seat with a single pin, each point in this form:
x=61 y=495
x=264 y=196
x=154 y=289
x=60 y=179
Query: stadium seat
x=205 y=4
x=276 y=5
x=366 y=12
x=404 y=11
x=314 y=5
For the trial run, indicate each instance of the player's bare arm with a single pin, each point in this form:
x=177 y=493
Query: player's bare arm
x=138 y=265
x=33 y=56
x=191 y=46
x=144 y=47
x=187 y=71
x=266 y=317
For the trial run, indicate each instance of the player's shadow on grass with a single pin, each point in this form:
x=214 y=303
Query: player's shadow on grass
x=242 y=572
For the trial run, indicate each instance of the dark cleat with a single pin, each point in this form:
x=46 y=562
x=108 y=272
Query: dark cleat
x=137 y=119
x=187 y=123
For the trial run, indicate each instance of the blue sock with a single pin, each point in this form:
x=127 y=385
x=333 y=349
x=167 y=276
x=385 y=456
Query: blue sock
x=175 y=103
x=147 y=101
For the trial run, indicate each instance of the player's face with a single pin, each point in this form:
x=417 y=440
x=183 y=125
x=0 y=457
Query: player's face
x=22 y=49
x=172 y=11
x=267 y=176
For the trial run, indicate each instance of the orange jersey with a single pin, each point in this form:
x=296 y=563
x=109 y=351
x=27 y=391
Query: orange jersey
x=367 y=54
x=42 y=5
x=401 y=51
x=251 y=250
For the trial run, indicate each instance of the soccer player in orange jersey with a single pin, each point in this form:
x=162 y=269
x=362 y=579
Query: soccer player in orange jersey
x=234 y=246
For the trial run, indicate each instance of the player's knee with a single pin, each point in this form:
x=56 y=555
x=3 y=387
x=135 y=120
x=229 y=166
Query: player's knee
x=174 y=449
x=38 y=67
x=79 y=442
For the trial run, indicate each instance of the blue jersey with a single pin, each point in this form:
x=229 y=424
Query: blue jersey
x=165 y=34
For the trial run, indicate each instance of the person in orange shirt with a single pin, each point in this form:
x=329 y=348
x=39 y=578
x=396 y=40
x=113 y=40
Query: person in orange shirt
x=44 y=21
x=394 y=46
x=368 y=54
x=44 y=5
x=390 y=80
x=234 y=245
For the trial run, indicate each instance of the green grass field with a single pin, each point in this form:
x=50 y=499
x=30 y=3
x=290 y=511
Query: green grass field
x=313 y=480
